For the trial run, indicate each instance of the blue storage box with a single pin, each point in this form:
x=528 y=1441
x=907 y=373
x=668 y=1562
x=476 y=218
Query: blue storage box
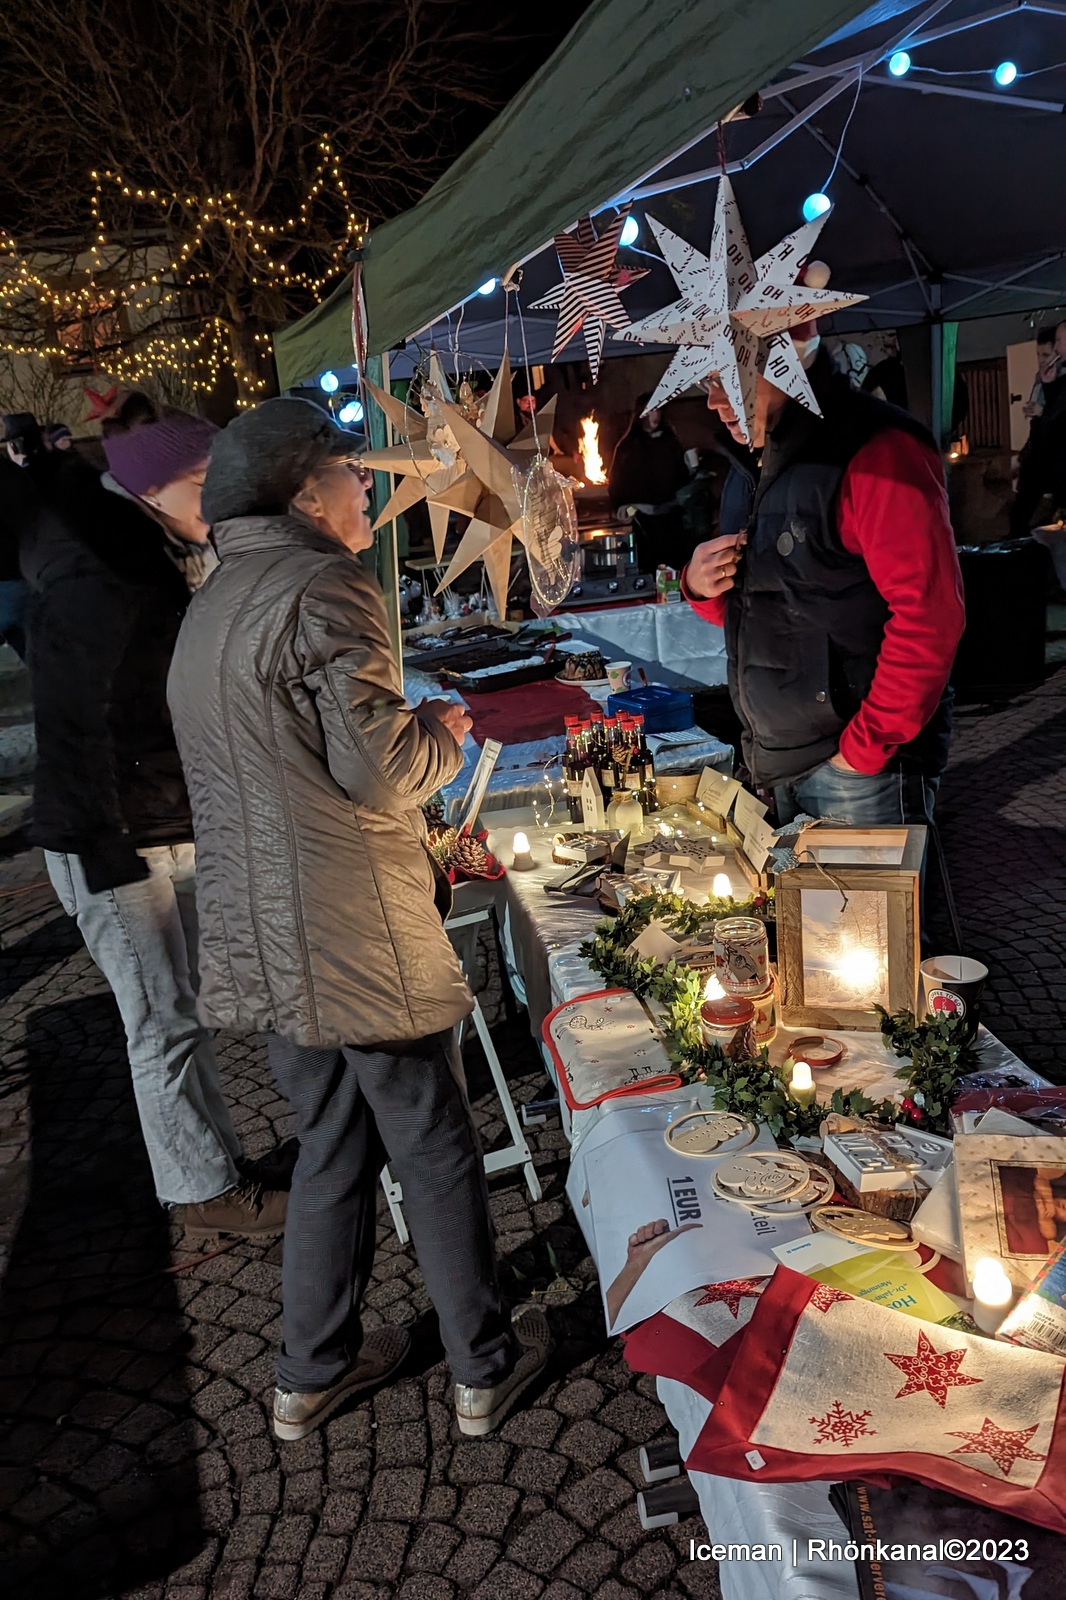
x=664 y=710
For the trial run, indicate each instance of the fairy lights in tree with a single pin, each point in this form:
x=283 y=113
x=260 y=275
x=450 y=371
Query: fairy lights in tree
x=175 y=323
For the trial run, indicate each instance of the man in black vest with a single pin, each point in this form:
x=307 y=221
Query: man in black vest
x=837 y=581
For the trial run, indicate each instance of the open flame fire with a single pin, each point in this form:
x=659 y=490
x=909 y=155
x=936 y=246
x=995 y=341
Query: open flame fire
x=591 y=460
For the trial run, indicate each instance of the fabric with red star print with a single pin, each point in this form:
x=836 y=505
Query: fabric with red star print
x=824 y=1386
x=695 y=1337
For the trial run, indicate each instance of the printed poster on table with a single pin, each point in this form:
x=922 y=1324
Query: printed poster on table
x=652 y=1224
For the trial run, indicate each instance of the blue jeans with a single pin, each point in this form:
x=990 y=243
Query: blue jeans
x=142 y=936
x=13 y=595
x=858 y=799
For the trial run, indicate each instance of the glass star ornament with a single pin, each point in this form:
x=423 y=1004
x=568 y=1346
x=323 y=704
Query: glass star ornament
x=734 y=313
x=587 y=299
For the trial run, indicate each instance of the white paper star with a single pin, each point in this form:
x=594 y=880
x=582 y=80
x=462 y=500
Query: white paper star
x=587 y=299
x=734 y=313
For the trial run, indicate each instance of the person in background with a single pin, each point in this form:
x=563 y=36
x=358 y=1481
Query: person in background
x=321 y=915
x=17 y=499
x=1040 y=467
x=57 y=436
x=110 y=806
x=837 y=581
x=698 y=499
x=175 y=505
x=646 y=471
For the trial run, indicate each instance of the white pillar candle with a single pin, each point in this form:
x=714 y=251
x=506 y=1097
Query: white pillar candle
x=721 y=888
x=993 y=1293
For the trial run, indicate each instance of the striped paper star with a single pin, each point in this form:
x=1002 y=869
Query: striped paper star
x=587 y=299
x=734 y=313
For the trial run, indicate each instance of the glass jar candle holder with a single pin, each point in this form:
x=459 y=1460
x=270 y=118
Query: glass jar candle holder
x=728 y=1020
x=742 y=957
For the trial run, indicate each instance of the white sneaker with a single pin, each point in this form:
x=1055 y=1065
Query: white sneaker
x=297 y=1415
x=480 y=1411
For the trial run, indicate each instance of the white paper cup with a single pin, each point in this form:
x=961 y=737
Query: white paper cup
x=619 y=675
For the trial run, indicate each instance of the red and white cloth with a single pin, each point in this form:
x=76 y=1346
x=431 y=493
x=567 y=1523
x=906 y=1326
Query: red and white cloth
x=811 y=1383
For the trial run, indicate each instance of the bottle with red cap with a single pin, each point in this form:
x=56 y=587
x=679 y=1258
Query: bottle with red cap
x=572 y=768
x=646 y=762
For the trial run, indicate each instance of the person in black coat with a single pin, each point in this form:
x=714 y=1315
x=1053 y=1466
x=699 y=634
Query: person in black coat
x=107 y=597
x=647 y=470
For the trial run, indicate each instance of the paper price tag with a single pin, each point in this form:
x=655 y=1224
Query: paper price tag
x=716 y=791
x=747 y=811
x=758 y=842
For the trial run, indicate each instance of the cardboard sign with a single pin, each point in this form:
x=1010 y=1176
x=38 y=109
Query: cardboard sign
x=716 y=791
x=747 y=811
x=591 y=801
x=758 y=842
x=475 y=794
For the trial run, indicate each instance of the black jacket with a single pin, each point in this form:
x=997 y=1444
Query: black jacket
x=106 y=605
x=805 y=622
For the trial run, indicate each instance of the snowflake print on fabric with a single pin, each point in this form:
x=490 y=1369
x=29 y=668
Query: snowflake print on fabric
x=731 y=1293
x=825 y=1296
x=931 y=1371
x=1004 y=1446
x=841 y=1427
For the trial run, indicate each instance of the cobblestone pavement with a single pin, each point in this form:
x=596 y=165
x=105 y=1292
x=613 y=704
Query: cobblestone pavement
x=137 y=1457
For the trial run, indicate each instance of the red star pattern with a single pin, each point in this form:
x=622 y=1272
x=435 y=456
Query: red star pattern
x=1004 y=1446
x=731 y=1293
x=932 y=1371
x=825 y=1296
x=841 y=1427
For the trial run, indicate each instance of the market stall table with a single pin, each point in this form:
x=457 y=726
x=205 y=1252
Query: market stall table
x=672 y=637
x=541 y=935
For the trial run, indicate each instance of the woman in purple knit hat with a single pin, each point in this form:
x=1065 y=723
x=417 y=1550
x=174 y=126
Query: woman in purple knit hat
x=110 y=563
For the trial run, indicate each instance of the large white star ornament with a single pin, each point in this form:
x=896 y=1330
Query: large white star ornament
x=587 y=299
x=734 y=313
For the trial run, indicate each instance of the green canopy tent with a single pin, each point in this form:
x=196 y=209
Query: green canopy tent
x=632 y=84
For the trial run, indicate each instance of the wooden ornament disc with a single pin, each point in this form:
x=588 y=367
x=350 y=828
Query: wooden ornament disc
x=863 y=1227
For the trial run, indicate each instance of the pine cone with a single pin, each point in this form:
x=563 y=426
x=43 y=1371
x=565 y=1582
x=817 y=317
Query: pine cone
x=442 y=843
x=433 y=811
x=470 y=856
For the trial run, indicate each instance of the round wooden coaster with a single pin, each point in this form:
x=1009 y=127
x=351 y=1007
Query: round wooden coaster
x=761 y=1177
x=709 y=1133
x=863 y=1227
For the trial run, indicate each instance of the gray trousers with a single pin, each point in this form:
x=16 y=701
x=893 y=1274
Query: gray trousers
x=355 y=1108
x=143 y=937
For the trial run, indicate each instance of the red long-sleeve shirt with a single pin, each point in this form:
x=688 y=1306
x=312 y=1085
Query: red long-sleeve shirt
x=893 y=512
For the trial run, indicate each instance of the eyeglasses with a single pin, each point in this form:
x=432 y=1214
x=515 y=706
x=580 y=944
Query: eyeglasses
x=355 y=466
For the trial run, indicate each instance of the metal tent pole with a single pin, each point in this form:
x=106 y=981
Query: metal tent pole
x=383 y=555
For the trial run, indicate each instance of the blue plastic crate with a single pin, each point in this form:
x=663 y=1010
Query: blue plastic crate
x=664 y=710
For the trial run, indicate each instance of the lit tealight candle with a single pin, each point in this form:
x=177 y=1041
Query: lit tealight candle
x=801 y=1087
x=992 y=1294
x=721 y=888
x=523 y=860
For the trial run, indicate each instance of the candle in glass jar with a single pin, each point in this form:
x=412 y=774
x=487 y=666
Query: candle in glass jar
x=728 y=1020
x=741 y=955
x=801 y=1087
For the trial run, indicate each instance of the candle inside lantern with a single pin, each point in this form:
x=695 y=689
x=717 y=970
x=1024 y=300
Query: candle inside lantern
x=801 y=1087
x=722 y=888
x=523 y=859
x=992 y=1293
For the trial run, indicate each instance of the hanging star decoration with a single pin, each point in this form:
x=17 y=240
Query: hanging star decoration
x=587 y=300
x=426 y=458
x=497 y=457
x=1004 y=1446
x=931 y=1371
x=734 y=313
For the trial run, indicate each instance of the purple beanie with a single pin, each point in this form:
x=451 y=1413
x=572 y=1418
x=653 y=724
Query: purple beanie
x=153 y=455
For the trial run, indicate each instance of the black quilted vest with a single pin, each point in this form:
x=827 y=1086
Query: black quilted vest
x=805 y=622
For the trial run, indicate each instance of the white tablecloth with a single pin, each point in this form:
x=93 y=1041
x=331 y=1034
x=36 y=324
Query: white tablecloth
x=671 y=635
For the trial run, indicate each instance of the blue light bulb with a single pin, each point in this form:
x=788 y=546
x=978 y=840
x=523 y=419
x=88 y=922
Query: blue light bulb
x=487 y=288
x=816 y=205
x=1005 y=74
x=899 y=64
x=630 y=231
x=351 y=413
x=329 y=382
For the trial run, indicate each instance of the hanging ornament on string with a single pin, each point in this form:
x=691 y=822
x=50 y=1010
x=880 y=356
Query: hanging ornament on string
x=733 y=315
x=587 y=300
x=548 y=531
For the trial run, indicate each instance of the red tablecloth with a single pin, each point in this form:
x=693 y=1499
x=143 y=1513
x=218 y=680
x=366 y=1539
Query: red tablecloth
x=531 y=711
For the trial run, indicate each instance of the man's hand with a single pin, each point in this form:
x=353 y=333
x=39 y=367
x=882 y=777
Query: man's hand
x=455 y=718
x=712 y=566
x=842 y=765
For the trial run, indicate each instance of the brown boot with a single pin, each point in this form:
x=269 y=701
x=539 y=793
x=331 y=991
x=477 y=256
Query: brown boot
x=250 y=1211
